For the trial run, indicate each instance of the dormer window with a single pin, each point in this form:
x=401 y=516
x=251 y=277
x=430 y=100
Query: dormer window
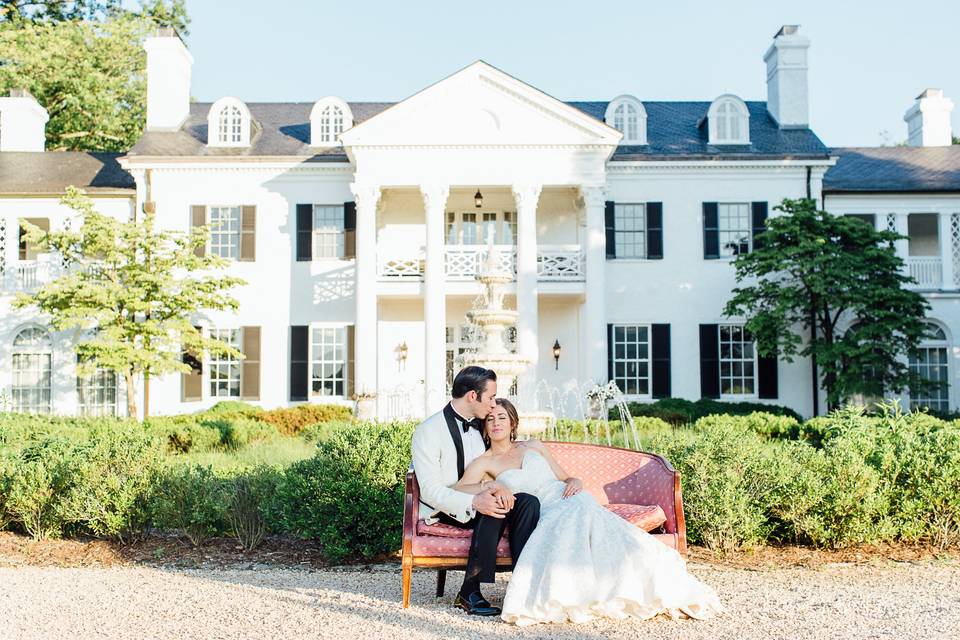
x=228 y=124
x=627 y=115
x=329 y=118
x=728 y=121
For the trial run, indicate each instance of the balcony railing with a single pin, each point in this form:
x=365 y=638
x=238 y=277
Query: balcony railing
x=926 y=270
x=555 y=263
x=464 y=262
x=28 y=275
x=561 y=263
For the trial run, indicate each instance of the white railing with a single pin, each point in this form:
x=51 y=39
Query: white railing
x=926 y=270
x=400 y=267
x=463 y=262
x=561 y=263
x=30 y=274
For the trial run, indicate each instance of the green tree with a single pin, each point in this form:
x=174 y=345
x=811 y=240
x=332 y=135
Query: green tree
x=84 y=62
x=811 y=270
x=130 y=291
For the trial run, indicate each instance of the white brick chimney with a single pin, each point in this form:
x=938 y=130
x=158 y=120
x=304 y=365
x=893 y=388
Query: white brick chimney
x=169 y=66
x=23 y=122
x=928 y=120
x=787 y=92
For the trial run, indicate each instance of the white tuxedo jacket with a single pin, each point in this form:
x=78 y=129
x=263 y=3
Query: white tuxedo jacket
x=434 y=453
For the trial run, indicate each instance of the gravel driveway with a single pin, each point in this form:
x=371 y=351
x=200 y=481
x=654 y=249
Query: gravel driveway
x=885 y=600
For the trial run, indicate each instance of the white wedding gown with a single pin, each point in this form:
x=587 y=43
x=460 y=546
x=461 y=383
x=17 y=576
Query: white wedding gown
x=582 y=561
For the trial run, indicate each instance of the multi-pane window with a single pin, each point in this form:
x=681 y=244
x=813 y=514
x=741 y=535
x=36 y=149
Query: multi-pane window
x=625 y=120
x=225 y=232
x=32 y=355
x=630 y=226
x=97 y=393
x=224 y=368
x=331 y=123
x=631 y=358
x=230 y=125
x=929 y=365
x=737 y=361
x=734 y=227
x=328 y=361
x=468 y=227
x=328 y=231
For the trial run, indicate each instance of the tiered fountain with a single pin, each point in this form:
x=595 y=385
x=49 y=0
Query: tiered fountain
x=492 y=352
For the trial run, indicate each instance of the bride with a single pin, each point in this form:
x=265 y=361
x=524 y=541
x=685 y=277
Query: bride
x=581 y=561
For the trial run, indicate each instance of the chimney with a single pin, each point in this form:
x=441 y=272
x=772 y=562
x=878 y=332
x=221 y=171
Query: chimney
x=169 y=66
x=787 y=91
x=22 y=122
x=928 y=120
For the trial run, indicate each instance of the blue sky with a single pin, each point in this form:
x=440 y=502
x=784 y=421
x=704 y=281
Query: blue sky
x=868 y=59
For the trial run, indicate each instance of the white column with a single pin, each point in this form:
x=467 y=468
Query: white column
x=527 y=197
x=434 y=298
x=593 y=331
x=946 y=252
x=365 y=290
x=11 y=249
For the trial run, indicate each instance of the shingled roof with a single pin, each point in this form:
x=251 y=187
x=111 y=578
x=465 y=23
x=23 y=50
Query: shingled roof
x=894 y=169
x=51 y=172
x=674 y=131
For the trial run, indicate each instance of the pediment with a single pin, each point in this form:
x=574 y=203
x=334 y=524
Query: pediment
x=480 y=106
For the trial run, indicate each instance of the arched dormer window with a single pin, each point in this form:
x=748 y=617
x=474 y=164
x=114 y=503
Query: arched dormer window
x=328 y=119
x=228 y=124
x=627 y=115
x=728 y=121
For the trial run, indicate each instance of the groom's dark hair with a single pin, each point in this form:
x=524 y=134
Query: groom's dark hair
x=472 y=379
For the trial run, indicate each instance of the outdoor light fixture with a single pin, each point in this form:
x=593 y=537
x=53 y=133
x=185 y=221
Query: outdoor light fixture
x=478 y=198
x=556 y=355
x=402 y=354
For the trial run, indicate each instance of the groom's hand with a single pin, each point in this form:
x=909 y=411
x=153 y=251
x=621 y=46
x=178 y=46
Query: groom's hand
x=487 y=504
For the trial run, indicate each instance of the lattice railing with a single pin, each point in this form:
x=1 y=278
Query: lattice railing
x=955 y=246
x=402 y=267
x=561 y=263
x=463 y=262
x=3 y=245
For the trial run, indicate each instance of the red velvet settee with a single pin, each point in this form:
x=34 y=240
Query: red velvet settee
x=640 y=487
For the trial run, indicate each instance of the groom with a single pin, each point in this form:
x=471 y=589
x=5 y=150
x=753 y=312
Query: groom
x=443 y=445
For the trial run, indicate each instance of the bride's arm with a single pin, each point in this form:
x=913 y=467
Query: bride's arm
x=574 y=485
x=473 y=480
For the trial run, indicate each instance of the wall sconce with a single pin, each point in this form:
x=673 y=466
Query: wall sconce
x=556 y=355
x=478 y=199
x=402 y=351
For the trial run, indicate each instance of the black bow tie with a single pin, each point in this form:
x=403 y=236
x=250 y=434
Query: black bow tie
x=475 y=423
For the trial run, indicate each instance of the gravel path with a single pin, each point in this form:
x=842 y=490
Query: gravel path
x=888 y=600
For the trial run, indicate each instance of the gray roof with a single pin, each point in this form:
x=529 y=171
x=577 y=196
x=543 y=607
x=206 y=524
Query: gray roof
x=51 y=172
x=894 y=169
x=675 y=130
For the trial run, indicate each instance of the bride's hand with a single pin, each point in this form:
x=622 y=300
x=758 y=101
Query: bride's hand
x=503 y=495
x=574 y=486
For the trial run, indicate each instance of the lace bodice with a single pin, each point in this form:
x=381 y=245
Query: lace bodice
x=534 y=477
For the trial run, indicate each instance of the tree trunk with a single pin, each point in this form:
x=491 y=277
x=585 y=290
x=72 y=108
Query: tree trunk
x=813 y=358
x=131 y=394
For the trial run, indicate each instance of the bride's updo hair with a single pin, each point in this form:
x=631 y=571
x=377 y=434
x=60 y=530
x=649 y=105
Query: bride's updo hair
x=511 y=414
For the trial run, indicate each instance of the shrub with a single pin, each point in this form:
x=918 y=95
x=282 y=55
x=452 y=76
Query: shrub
x=240 y=432
x=236 y=407
x=678 y=411
x=291 y=421
x=763 y=424
x=185 y=433
x=190 y=499
x=249 y=497
x=349 y=496
x=41 y=476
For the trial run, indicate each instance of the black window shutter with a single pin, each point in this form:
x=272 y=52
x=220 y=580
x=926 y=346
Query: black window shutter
x=759 y=220
x=767 y=383
x=299 y=362
x=304 y=232
x=660 y=333
x=611 y=239
x=709 y=361
x=349 y=230
x=609 y=352
x=711 y=231
x=655 y=230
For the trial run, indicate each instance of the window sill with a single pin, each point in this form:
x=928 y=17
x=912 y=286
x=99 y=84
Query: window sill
x=740 y=397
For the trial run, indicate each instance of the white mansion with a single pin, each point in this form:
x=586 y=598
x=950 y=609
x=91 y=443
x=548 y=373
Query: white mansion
x=359 y=228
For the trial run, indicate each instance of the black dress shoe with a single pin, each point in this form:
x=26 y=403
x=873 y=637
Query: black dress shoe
x=476 y=605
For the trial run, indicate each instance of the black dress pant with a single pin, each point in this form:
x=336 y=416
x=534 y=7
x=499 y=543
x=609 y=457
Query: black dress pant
x=522 y=519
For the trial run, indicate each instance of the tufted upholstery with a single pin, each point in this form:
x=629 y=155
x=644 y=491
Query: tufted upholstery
x=640 y=487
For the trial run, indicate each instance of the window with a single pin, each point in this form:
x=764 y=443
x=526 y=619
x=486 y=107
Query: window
x=737 y=361
x=32 y=355
x=329 y=118
x=735 y=228
x=469 y=337
x=97 y=393
x=631 y=358
x=630 y=230
x=468 y=227
x=225 y=369
x=728 y=121
x=230 y=125
x=328 y=361
x=627 y=115
x=331 y=124
x=225 y=232
x=328 y=231
x=929 y=365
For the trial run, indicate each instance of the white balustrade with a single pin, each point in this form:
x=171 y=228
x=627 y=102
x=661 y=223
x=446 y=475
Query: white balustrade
x=555 y=263
x=392 y=267
x=563 y=263
x=926 y=270
x=463 y=262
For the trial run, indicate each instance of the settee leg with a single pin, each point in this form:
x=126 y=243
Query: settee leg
x=441 y=582
x=407 y=576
